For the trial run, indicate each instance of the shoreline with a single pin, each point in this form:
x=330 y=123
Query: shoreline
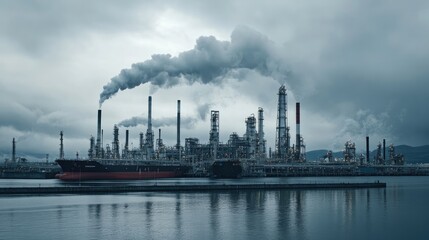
x=185 y=188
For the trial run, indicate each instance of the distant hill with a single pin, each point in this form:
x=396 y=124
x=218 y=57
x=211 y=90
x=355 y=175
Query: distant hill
x=412 y=154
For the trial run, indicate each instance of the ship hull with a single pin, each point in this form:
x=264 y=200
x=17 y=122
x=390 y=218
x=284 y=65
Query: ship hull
x=77 y=170
x=226 y=169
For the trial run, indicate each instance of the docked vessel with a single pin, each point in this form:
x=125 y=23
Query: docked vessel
x=226 y=169
x=118 y=169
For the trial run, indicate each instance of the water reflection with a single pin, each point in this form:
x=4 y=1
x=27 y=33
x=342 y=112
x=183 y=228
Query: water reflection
x=284 y=216
x=214 y=214
x=178 y=215
x=291 y=207
x=253 y=215
x=299 y=214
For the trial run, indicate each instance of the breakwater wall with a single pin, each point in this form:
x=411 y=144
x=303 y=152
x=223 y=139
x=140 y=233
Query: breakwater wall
x=182 y=188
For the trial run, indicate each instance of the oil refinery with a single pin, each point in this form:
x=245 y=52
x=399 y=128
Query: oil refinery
x=240 y=156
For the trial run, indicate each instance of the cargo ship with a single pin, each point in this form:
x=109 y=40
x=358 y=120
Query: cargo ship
x=73 y=170
x=226 y=169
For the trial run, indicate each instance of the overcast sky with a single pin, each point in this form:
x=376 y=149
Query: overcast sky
x=357 y=67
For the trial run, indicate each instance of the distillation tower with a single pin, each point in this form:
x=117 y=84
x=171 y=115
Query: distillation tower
x=282 y=129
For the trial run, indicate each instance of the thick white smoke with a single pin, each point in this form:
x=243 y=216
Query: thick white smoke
x=208 y=62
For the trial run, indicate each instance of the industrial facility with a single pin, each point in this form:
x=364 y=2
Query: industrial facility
x=248 y=150
x=240 y=155
x=249 y=146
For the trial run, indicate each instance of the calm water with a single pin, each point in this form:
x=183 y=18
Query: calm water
x=401 y=211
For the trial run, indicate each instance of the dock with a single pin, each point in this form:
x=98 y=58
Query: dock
x=184 y=188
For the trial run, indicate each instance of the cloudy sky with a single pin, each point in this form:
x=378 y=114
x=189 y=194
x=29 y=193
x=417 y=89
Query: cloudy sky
x=357 y=67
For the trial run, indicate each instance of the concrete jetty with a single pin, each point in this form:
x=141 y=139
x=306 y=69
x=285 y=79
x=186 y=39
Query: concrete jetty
x=184 y=188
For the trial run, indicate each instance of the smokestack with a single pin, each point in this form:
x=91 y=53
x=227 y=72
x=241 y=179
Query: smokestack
x=98 y=147
x=149 y=132
x=61 y=146
x=367 y=149
x=384 y=151
x=149 y=121
x=261 y=147
x=178 y=124
x=13 y=150
x=298 y=131
x=102 y=144
x=126 y=138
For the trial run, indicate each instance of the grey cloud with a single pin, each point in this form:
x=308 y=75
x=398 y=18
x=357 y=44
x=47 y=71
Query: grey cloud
x=34 y=26
x=352 y=55
x=348 y=55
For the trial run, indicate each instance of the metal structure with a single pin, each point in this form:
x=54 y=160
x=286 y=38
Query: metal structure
x=13 y=150
x=378 y=158
x=249 y=148
x=251 y=136
x=179 y=152
x=149 y=132
x=61 y=146
x=115 y=143
x=178 y=125
x=395 y=159
x=98 y=146
x=367 y=149
x=349 y=152
x=141 y=141
x=214 y=133
x=384 y=150
x=91 y=151
x=126 y=148
x=282 y=129
x=261 y=138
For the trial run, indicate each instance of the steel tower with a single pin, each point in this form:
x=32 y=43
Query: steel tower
x=282 y=130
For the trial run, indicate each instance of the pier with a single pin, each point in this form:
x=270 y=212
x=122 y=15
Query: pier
x=184 y=188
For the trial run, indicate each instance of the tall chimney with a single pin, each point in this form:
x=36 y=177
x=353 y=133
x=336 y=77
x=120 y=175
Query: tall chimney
x=298 y=132
x=178 y=124
x=149 y=122
x=98 y=146
x=261 y=143
x=367 y=149
x=13 y=150
x=149 y=132
x=384 y=151
x=127 y=132
x=61 y=146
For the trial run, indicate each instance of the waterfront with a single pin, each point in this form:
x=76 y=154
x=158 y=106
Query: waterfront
x=397 y=212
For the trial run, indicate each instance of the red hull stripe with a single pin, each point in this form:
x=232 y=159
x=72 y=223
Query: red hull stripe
x=115 y=175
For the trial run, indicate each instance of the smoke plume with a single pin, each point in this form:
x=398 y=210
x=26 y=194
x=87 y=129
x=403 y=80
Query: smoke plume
x=365 y=123
x=207 y=62
x=186 y=122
